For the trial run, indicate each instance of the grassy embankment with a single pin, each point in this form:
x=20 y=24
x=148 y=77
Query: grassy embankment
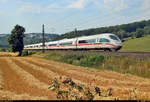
x=137 y=45
x=119 y=64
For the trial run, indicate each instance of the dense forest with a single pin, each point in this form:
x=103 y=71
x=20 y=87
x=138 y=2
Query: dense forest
x=134 y=30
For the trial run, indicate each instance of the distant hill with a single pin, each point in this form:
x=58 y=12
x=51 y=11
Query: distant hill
x=3 y=40
x=30 y=38
x=33 y=38
x=137 y=45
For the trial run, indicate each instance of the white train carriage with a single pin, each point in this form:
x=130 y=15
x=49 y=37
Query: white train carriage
x=33 y=46
x=101 y=41
x=87 y=42
x=27 y=47
x=67 y=44
x=105 y=41
x=51 y=45
x=37 y=46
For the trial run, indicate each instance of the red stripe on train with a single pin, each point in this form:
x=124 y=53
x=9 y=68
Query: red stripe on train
x=78 y=45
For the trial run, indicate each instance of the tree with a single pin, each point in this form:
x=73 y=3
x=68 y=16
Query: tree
x=147 y=30
x=15 y=40
x=139 y=33
x=121 y=33
x=133 y=35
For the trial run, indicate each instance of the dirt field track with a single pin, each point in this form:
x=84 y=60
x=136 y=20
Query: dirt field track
x=28 y=78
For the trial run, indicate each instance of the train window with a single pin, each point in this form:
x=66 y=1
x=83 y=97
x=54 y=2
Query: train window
x=87 y=41
x=91 y=41
x=103 y=40
x=82 y=41
x=66 y=43
x=52 y=44
x=114 y=37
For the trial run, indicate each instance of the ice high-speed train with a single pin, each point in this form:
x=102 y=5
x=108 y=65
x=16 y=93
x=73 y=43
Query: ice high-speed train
x=106 y=42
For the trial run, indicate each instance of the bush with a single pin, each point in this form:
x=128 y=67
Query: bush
x=31 y=52
x=70 y=58
x=25 y=53
x=92 y=60
x=3 y=50
x=9 y=50
x=77 y=59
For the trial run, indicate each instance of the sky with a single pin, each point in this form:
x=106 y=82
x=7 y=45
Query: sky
x=61 y=16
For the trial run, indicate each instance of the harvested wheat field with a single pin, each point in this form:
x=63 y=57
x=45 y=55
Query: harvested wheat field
x=8 y=54
x=28 y=78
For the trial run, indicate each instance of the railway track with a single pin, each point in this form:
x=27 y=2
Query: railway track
x=141 y=55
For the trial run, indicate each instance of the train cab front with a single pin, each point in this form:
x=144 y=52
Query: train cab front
x=118 y=46
x=116 y=41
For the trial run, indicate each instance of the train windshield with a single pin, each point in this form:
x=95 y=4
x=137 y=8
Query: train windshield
x=103 y=40
x=114 y=37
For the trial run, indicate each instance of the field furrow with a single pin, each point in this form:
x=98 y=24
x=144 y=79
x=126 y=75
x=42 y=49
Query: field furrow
x=7 y=95
x=122 y=84
x=39 y=73
x=57 y=70
x=95 y=77
x=49 y=71
x=21 y=82
x=102 y=73
x=63 y=71
x=1 y=79
x=29 y=78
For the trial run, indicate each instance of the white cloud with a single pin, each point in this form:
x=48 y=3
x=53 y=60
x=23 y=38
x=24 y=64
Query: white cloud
x=32 y=8
x=3 y=1
x=146 y=4
x=108 y=1
x=80 y=4
x=54 y=6
x=145 y=9
x=122 y=6
x=29 y=7
x=112 y=5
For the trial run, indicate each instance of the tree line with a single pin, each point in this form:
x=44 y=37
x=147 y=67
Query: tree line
x=134 y=30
